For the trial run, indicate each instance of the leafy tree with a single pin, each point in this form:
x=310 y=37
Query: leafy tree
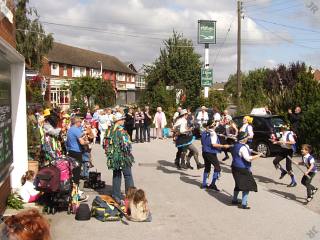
x=87 y=91
x=179 y=66
x=310 y=127
x=32 y=41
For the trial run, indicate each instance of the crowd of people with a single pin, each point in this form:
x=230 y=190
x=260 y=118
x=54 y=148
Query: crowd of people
x=54 y=133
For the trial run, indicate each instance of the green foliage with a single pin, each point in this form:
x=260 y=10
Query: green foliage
x=33 y=91
x=310 y=127
x=14 y=202
x=32 y=41
x=87 y=91
x=215 y=99
x=179 y=66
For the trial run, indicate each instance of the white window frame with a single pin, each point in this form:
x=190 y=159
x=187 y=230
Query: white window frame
x=56 y=93
x=83 y=71
x=65 y=71
x=75 y=71
x=121 y=77
x=54 y=69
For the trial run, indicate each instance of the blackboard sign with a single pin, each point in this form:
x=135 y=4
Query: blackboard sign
x=5 y=118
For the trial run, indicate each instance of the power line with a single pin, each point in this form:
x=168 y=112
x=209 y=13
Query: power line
x=285 y=26
x=221 y=46
x=268 y=10
x=279 y=36
x=260 y=5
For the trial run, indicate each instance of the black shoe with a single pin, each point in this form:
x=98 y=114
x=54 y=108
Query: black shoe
x=237 y=202
x=178 y=165
x=244 y=207
x=293 y=184
x=313 y=192
x=225 y=158
x=189 y=166
x=203 y=187
x=213 y=187
x=283 y=174
x=200 y=165
x=184 y=166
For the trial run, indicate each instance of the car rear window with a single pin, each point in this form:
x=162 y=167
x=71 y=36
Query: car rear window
x=276 y=122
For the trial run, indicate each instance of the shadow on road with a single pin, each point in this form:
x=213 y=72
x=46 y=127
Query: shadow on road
x=287 y=196
x=222 y=196
x=163 y=164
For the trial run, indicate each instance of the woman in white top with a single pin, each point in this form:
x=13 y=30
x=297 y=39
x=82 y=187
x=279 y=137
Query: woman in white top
x=160 y=122
x=247 y=128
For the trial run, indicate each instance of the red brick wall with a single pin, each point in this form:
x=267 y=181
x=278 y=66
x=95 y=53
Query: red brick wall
x=45 y=70
x=7 y=29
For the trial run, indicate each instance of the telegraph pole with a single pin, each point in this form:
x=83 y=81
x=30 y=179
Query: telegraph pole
x=239 y=84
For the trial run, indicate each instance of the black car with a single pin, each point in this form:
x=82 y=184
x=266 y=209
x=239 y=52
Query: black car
x=265 y=127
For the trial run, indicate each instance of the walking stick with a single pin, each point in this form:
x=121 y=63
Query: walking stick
x=297 y=165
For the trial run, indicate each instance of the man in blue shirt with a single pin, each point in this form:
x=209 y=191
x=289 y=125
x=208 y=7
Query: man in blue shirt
x=75 y=140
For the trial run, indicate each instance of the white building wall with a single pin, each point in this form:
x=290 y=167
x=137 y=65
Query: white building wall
x=19 y=123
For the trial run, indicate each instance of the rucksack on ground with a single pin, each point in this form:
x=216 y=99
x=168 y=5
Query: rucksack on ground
x=104 y=211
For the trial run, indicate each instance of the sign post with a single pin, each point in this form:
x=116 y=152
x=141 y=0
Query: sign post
x=206 y=77
x=206 y=35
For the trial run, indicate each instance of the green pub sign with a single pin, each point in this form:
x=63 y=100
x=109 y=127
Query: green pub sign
x=206 y=77
x=206 y=31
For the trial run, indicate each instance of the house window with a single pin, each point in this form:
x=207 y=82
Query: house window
x=140 y=82
x=76 y=71
x=83 y=71
x=59 y=96
x=121 y=77
x=65 y=71
x=54 y=69
x=95 y=73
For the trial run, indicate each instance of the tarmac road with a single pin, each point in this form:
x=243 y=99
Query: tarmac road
x=181 y=210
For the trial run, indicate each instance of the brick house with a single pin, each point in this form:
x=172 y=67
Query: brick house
x=65 y=62
x=316 y=75
x=13 y=123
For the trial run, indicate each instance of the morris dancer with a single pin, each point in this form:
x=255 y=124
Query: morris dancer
x=286 y=142
x=210 y=147
x=183 y=138
x=241 y=171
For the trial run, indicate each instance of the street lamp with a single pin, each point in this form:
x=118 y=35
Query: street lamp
x=100 y=68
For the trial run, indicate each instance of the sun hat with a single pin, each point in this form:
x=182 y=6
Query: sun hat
x=210 y=123
x=183 y=112
x=118 y=116
x=46 y=112
x=203 y=108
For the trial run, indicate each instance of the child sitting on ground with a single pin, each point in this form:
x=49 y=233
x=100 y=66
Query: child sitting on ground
x=139 y=207
x=309 y=162
x=28 y=192
x=128 y=199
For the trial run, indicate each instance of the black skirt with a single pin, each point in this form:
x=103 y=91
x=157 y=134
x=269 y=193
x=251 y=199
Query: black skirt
x=183 y=139
x=244 y=180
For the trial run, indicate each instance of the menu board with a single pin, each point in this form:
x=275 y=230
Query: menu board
x=5 y=117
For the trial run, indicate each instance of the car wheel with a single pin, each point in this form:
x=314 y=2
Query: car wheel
x=263 y=148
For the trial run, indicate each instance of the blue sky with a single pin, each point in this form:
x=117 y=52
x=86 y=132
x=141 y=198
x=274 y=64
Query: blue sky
x=133 y=30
